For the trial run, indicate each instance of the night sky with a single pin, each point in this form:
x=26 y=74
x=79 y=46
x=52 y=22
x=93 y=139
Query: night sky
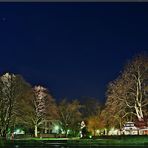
x=73 y=49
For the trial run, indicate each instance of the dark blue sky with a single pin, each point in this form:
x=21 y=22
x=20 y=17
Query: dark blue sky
x=74 y=49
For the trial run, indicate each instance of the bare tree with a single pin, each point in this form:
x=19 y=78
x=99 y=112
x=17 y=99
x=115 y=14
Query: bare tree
x=12 y=87
x=116 y=111
x=135 y=78
x=37 y=106
x=127 y=95
x=90 y=107
x=69 y=115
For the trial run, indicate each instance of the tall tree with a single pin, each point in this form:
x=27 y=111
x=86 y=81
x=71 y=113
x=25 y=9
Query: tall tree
x=127 y=95
x=135 y=78
x=37 y=107
x=95 y=123
x=90 y=107
x=12 y=87
x=69 y=115
x=116 y=112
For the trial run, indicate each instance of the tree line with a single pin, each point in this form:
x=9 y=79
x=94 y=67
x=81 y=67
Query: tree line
x=29 y=107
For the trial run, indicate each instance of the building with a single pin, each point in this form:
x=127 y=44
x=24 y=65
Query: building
x=130 y=129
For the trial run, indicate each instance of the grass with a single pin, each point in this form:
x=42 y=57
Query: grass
x=126 y=140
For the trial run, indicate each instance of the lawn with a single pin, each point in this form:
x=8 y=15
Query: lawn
x=111 y=140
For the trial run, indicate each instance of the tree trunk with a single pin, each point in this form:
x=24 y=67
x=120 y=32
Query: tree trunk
x=3 y=133
x=36 y=131
x=4 y=130
x=139 y=113
x=66 y=134
x=105 y=131
x=94 y=133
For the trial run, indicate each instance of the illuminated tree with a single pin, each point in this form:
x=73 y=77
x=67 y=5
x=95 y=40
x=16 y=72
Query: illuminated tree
x=95 y=123
x=91 y=109
x=12 y=87
x=37 y=107
x=116 y=111
x=127 y=95
x=135 y=78
x=69 y=115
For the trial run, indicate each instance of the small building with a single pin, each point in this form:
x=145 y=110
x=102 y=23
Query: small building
x=130 y=129
x=51 y=127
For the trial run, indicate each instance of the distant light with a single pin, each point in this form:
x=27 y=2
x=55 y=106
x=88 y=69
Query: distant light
x=97 y=131
x=56 y=127
x=19 y=131
x=90 y=136
x=62 y=131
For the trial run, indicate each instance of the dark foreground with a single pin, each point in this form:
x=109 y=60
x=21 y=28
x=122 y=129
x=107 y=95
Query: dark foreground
x=62 y=144
x=101 y=142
